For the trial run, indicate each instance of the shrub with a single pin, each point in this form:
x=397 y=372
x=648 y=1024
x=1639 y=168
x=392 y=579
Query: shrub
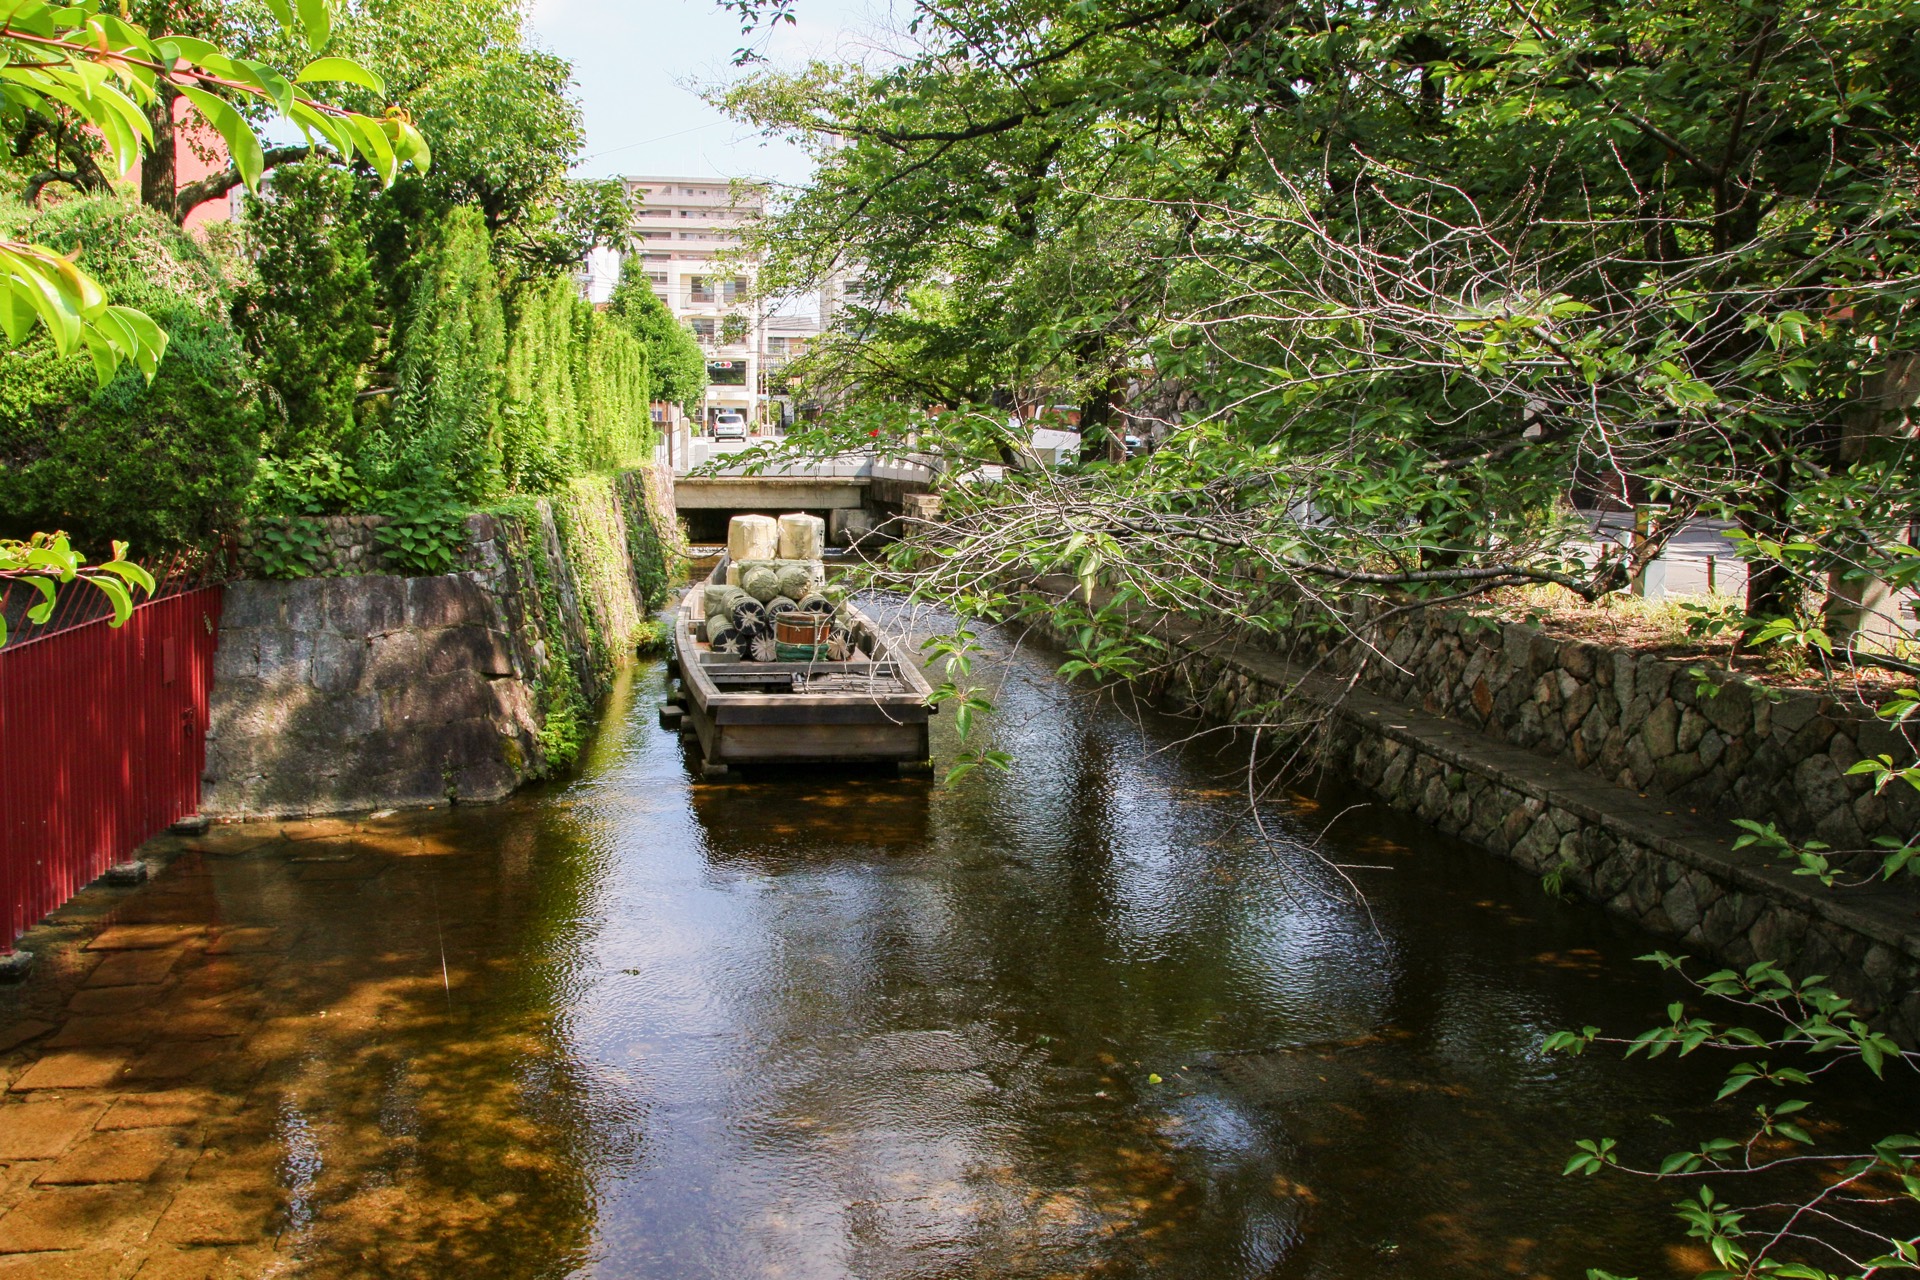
x=161 y=464
x=615 y=426
x=445 y=427
x=576 y=390
x=541 y=405
x=308 y=314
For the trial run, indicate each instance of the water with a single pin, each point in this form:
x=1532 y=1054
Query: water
x=638 y=1025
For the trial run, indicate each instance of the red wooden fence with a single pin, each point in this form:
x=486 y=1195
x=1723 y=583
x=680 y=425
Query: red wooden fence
x=102 y=743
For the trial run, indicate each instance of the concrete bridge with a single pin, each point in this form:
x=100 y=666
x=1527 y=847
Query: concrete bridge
x=854 y=493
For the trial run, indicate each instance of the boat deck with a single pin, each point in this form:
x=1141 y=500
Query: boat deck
x=872 y=707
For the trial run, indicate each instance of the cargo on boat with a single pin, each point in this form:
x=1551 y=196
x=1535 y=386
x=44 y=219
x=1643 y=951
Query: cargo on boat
x=799 y=686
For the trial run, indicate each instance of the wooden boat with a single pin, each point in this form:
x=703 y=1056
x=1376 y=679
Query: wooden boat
x=871 y=707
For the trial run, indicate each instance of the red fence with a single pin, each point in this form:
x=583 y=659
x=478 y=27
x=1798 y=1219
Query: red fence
x=102 y=743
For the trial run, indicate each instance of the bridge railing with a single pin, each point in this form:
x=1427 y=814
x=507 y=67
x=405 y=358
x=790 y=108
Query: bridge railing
x=904 y=468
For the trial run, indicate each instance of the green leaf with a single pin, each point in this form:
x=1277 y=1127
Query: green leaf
x=316 y=17
x=242 y=145
x=340 y=71
x=44 y=609
x=375 y=146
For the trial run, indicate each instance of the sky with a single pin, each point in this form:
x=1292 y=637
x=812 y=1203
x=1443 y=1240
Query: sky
x=638 y=66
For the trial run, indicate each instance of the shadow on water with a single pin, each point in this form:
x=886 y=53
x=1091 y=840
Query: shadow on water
x=1084 y=1018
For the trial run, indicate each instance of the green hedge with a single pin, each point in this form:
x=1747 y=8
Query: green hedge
x=160 y=464
x=576 y=391
x=479 y=408
x=445 y=429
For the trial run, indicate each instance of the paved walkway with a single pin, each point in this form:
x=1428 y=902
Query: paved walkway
x=1700 y=555
x=144 y=1124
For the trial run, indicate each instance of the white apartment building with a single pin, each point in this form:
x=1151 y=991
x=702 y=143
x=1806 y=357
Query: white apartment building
x=691 y=253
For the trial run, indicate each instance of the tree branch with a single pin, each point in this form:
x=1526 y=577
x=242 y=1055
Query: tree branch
x=215 y=185
x=46 y=177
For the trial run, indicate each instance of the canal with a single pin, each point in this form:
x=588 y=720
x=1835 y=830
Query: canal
x=1091 y=1017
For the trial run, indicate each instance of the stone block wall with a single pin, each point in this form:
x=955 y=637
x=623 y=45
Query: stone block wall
x=1711 y=741
x=335 y=694
x=370 y=690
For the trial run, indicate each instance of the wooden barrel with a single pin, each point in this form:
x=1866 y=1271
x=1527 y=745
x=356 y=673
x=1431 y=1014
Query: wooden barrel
x=802 y=636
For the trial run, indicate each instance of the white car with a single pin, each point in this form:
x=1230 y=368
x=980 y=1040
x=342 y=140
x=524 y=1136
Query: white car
x=730 y=426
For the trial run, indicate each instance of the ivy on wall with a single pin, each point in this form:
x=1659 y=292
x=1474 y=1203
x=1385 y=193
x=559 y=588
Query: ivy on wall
x=591 y=564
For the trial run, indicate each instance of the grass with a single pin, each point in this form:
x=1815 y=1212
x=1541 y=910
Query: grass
x=650 y=638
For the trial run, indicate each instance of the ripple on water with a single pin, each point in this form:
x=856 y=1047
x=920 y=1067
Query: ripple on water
x=1088 y=1017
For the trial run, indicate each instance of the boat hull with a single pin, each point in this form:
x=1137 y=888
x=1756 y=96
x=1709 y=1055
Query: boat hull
x=742 y=714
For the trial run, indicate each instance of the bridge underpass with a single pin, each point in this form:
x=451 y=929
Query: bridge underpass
x=852 y=494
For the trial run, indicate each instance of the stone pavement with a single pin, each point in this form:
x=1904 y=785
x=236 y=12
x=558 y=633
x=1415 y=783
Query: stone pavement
x=125 y=1147
x=197 y=1079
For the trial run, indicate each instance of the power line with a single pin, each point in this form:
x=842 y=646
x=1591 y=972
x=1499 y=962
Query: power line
x=628 y=146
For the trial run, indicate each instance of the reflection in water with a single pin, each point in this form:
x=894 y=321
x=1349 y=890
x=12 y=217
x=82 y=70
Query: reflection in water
x=1081 y=1019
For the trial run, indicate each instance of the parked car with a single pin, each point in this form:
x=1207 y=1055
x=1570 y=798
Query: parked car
x=730 y=426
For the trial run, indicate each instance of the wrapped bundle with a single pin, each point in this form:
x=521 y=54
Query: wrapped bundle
x=814 y=602
x=746 y=610
x=718 y=599
x=733 y=573
x=781 y=604
x=748 y=637
x=760 y=582
x=753 y=538
x=795 y=580
x=720 y=629
x=802 y=537
x=763 y=648
x=840 y=646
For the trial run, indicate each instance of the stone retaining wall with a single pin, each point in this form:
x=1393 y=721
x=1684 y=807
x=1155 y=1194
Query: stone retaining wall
x=371 y=691
x=1673 y=728
x=364 y=692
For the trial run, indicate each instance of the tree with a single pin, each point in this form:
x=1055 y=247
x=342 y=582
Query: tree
x=677 y=368
x=74 y=68
x=1444 y=262
x=503 y=126
x=308 y=312
x=445 y=428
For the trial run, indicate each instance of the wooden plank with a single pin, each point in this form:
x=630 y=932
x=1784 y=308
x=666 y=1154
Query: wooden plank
x=767 y=744
x=767 y=670
x=794 y=711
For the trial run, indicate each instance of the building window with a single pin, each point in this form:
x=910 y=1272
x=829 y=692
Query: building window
x=727 y=373
x=702 y=327
x=733 y=329
x=699 y=289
